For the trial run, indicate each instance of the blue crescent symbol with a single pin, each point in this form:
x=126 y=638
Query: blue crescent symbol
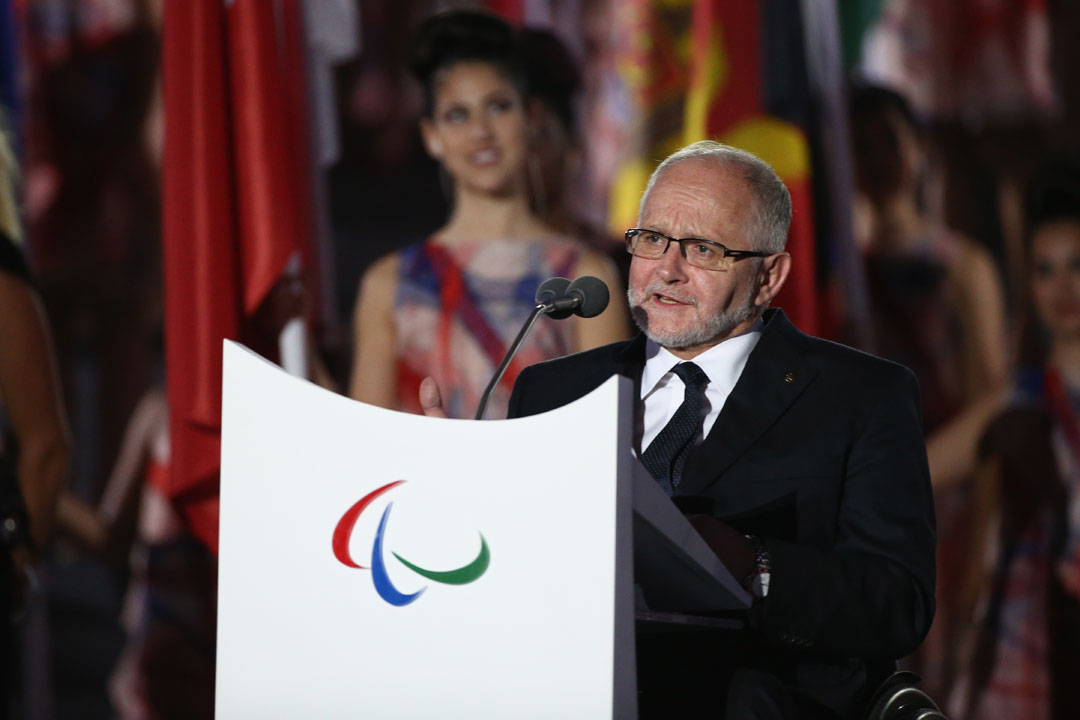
x=383 y=586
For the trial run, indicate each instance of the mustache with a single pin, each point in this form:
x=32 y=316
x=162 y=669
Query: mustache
x=657 y=288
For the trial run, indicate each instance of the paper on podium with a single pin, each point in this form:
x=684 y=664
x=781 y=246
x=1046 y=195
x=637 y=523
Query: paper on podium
x=675 y=568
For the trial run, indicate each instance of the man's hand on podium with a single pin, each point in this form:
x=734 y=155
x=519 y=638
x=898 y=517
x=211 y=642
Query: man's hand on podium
x=431 y=398
x=731 y=546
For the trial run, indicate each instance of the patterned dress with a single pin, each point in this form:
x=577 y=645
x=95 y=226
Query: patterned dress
x=459 y=307
x=916 y=325
x=1027 y=648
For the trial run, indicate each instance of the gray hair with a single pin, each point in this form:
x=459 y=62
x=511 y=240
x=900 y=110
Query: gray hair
x=772 y=203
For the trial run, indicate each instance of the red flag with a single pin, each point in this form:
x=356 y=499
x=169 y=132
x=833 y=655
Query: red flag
x=234 y=204
x=727 y=42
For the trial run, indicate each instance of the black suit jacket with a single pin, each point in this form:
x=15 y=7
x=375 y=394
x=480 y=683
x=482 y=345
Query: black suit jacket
x=819 y=451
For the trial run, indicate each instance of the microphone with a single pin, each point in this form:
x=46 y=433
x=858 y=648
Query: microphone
x=548 y=291
x=587 y=296
x=558 y=298
x=592 y=294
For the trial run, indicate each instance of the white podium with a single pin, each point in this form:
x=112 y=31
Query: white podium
x=378 y=564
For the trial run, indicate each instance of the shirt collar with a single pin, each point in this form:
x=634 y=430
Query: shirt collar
x=717 y=362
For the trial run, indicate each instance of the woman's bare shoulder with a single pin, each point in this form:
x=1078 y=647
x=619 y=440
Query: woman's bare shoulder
x=380 y=279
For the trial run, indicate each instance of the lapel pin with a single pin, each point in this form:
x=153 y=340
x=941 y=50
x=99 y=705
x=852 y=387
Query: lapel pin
x=789 y=377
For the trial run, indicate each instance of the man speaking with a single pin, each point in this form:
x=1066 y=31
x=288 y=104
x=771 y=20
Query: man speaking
x=803 y=459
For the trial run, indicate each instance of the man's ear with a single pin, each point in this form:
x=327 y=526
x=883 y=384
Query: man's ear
x=774 y=273
x=432 y=142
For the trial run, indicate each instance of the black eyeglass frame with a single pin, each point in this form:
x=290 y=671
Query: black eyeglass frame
x=727 y=252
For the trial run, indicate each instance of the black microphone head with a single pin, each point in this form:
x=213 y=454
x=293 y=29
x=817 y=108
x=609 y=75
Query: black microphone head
x=552 y=292
x=594 y=295
x=551 y=288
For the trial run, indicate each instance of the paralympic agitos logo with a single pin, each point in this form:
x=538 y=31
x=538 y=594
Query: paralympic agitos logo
x=379 y=576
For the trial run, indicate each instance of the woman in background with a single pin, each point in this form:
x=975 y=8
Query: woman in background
x=449 y=307
x=166 y=669
x=936 y=299
x=936 y=306
x=34 y=437
x=1022 y=580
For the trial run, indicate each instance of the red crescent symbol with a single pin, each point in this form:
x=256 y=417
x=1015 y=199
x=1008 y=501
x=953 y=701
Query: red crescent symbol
x=344 y=528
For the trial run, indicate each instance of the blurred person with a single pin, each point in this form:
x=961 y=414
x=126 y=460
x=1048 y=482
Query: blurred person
x=450 y=306
x=1021 y=447
x=34 y=437
x=936 y=306
x=166 y=669
x=936 y=298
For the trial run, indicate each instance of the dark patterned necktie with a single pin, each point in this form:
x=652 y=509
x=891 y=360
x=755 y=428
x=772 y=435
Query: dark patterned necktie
x=667 y=453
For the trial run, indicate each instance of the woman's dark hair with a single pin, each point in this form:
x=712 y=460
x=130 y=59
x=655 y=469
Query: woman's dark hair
x=878 y=116
x=867 y=100
x=446 y=39
x=553 y=75
x=1053 y=194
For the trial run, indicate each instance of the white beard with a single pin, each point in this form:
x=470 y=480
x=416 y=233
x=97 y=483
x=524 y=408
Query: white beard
x=700 y=332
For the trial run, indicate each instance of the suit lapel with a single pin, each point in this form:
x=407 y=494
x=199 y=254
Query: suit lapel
x=631 y=359
x=775 y=375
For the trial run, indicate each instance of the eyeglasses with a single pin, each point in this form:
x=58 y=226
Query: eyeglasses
x=704 y=254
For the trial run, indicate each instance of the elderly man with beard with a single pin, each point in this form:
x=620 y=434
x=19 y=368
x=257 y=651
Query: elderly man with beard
x=803 y=460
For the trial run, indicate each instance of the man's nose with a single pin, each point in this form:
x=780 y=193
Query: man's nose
x=672 y=265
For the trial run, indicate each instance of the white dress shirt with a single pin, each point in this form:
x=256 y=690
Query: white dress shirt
x=662 y=390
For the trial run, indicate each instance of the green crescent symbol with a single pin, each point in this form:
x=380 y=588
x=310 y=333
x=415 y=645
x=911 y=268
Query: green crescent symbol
x=462 y=575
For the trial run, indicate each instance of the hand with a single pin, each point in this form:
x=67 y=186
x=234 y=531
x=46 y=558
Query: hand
x=284 y=302
x=733 y=549
x=431 y=398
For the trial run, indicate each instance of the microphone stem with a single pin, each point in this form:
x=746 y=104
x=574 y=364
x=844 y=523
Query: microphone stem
x=536 y=311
